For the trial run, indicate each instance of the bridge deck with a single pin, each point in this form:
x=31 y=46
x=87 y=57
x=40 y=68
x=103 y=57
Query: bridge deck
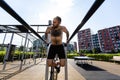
x=37 y=72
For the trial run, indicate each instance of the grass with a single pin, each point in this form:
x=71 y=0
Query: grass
x=102 y=56
x=72 y=55
x=2 y=54
x=17 y=54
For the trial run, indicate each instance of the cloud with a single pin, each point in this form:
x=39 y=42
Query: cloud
x=56 y=8
x=66 y=4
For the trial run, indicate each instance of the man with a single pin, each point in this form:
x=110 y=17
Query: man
x=56 y=34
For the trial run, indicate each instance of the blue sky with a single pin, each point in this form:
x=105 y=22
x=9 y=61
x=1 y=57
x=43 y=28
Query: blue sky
x=71 y=12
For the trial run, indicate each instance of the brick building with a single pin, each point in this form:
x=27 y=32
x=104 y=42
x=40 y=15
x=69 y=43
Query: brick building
x=84 y=39
x=109 y=39
x=95 y=41
x=75 y=46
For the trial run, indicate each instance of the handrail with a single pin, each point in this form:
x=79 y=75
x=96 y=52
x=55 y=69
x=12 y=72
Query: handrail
x=8 y=9
x=91 y=11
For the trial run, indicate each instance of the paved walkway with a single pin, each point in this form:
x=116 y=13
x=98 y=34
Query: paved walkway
x=110 y=67
x=37 y=72
x=99 y=70
x=12 y=68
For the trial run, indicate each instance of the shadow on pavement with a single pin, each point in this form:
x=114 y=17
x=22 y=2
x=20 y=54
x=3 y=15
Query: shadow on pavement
x=91 y=72
x=89 y=67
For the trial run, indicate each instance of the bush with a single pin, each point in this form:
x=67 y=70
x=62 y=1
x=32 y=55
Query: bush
x=103 y=57
x=2 y=54
x=72 y=55
x=96 y=50
x=17 y=55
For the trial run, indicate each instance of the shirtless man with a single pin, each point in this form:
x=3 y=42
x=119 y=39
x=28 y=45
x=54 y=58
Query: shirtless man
x=56 y=33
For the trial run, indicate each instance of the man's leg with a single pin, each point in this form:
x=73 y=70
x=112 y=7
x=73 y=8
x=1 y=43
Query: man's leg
x=62 y=62
x=50 y=63
x=51 y=55
x=61 y=55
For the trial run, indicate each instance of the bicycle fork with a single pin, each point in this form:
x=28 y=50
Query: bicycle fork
x=52 y=69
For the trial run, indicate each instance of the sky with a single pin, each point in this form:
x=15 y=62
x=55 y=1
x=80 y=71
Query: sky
x=71 y=12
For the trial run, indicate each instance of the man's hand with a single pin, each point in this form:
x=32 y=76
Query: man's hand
x=67 y=33
x=67 y=41
x=46 y=42
x=65 y=44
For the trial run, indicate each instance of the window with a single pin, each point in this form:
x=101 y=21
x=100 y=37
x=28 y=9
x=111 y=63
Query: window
x=116 y=48
x=114 y=45
x=112 y=39
x=110 y=29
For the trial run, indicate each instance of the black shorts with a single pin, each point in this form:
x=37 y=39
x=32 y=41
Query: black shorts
x=56 y=49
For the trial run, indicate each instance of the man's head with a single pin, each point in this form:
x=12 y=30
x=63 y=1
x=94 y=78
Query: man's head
x=56 y=21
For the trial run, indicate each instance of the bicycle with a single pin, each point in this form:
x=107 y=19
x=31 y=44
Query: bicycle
x=53 y=72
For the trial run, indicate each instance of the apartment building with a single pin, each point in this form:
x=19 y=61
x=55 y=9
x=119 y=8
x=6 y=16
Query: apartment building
x=84 y=39
x=95 y=41
x=109 y=39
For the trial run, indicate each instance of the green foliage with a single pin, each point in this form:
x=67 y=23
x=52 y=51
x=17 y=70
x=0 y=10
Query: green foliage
x=113 y=51
x=82 y=51
x=118 y=50
x=21 y=48
x=103 y=57
x=2 y=48
x=2 y=53
x=72 y=55
x=96 y=50
x=85 y=51
x=17 y=55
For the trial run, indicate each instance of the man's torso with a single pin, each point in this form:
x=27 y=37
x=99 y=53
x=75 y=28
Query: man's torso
x=56 y=35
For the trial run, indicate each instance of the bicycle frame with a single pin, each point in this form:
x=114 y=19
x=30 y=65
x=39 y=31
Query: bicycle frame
x=52 y=70
x=53 y=76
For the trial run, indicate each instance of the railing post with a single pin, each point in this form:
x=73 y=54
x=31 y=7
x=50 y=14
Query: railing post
x=23 y=54
x=7 y=53
x=66 y=64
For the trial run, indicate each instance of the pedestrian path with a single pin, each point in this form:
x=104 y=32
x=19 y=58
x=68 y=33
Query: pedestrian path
x=13 y=68
x=98 y=70
x=37 y=72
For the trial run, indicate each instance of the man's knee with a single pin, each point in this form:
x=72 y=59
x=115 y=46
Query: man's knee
x=49 y=62
x=62 y=62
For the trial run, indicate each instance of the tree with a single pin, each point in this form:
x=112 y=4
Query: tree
x=21 y=48
x=96 y=50
x=30 y=49
x=118 y=50
x=112 y=51
x=81 y=51
x=2 y=49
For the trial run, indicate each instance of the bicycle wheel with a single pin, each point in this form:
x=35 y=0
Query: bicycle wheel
x=52 y=74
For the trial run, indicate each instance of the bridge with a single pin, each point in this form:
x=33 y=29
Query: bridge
x=32 y=66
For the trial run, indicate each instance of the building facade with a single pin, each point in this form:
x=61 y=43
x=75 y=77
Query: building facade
x=72 y=46
x=75 y=46
x=84 y=39
x=38 y=43
x=95 y=41
x=109 y=39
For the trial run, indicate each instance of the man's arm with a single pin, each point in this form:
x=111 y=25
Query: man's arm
x=46 y=33
x=67 y=32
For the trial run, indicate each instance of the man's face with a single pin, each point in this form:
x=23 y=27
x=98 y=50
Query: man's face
x=55 y=23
